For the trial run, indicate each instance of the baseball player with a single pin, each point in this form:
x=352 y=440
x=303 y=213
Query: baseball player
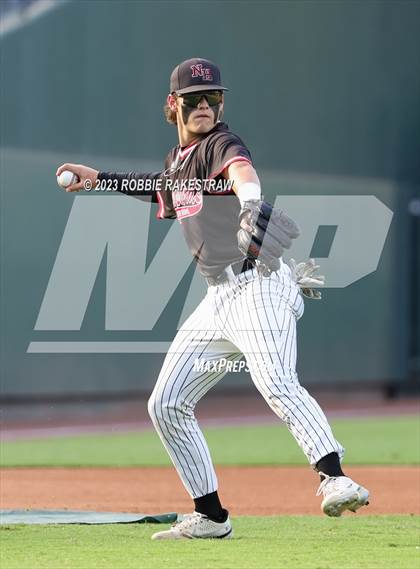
x=252 y=304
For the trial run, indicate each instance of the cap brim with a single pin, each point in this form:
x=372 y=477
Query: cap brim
x=197 y=88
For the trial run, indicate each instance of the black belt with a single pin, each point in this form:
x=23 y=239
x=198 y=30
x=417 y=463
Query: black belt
x=237 y=268
x=242 y=266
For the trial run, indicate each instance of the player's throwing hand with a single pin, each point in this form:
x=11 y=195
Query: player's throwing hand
x=84 y=174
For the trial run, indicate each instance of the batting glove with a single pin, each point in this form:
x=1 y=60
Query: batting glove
x=304 y=275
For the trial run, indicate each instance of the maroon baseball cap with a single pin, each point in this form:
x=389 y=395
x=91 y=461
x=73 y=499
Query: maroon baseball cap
x=195 y=74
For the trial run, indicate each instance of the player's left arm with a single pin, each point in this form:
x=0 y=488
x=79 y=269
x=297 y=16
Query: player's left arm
x=264 y=232
x=242 y=172
x=304 y=274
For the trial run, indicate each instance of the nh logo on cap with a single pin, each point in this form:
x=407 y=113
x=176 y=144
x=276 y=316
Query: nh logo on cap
x=198 y=71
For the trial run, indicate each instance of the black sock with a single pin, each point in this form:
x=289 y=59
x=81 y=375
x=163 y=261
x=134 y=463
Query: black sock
x=330 y=465
x=210 y=506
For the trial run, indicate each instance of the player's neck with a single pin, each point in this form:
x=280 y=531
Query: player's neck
x=186 y=137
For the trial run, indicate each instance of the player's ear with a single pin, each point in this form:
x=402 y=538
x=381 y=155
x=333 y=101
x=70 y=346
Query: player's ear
x=171 y=100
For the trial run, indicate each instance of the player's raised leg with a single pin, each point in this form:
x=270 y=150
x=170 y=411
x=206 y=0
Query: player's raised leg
x=266 y=333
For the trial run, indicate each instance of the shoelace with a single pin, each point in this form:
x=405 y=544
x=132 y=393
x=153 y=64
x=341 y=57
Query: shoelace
x=187 y=521
x=332 y=482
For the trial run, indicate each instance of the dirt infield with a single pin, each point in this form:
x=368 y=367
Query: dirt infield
x=244 y=490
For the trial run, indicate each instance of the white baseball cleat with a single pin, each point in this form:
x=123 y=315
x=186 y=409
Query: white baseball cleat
x=340 y=494
x=197 y=526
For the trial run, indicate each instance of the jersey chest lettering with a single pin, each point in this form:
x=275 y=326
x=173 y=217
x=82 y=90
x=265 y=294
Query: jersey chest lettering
x=187 y=202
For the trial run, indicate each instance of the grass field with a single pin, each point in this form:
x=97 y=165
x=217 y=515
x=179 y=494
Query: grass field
x=295 y=542
x=393 y=440
x=385 y=542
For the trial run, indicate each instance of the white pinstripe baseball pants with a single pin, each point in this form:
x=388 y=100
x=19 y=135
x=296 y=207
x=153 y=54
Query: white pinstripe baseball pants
x=248 y=316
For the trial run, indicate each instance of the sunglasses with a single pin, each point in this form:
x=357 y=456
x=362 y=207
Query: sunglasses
x=192 y=99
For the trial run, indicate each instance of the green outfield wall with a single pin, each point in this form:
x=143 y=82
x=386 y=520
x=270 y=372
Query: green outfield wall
x=325 y=94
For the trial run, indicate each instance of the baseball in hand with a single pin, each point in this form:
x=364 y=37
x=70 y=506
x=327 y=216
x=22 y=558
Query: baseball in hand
x=66 y=179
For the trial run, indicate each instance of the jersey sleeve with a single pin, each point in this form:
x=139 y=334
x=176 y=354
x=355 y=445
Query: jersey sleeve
x=223 y=151
x=139 y=185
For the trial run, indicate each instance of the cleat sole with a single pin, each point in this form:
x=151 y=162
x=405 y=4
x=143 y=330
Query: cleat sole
x=352 y=503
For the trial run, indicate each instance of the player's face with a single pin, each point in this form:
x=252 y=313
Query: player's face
x=199 y=112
